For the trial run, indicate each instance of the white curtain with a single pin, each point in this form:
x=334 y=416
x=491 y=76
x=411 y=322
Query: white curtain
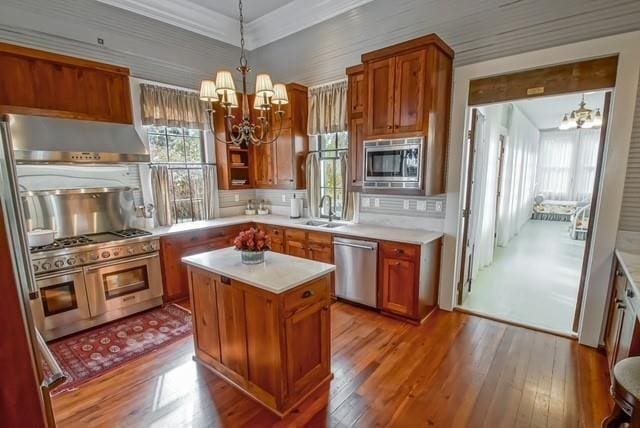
x=210 y=188
x=162 y=106
x=348 y=202
x=313 y=184
x=567 y=164
x=519 y=174
x=328 y=109
x=161 y=188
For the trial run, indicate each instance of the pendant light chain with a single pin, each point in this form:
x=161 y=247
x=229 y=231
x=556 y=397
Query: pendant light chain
x=243 y=58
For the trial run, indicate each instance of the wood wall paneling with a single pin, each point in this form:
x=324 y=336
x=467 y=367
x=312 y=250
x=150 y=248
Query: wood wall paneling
x=580 y=76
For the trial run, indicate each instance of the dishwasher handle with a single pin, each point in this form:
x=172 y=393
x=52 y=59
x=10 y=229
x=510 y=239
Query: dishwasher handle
x=363 y=247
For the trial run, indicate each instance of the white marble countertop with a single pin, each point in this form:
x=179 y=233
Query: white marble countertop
x=409 y=236
x=277 y=274
x=628 y=253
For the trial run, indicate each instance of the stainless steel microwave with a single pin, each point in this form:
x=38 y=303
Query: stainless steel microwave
x=394 y=163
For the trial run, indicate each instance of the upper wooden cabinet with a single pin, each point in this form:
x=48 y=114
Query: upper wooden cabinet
x=281 y=164
x=406 y=92
x=47 y=84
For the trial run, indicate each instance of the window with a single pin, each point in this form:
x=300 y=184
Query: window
x=182 y=150
x=331 y=181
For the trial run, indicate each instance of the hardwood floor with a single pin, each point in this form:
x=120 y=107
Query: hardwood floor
x=455 y=370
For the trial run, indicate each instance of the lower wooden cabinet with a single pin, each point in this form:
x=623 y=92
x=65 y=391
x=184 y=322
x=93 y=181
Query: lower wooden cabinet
x=398 y=286
x=296 y=243
x=276 y=347
x=174 y=247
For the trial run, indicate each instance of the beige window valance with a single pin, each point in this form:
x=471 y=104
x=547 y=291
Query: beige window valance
x=162 y=106
x=328 y=108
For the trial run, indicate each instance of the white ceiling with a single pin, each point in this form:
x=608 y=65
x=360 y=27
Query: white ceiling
x=265 y=20
x=547 y=112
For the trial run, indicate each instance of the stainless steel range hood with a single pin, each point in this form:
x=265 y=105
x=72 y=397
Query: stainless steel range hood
x=51 y=140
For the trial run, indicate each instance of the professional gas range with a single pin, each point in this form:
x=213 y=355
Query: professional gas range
x=91 y=279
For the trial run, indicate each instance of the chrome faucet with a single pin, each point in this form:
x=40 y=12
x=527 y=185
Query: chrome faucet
x=331 y=213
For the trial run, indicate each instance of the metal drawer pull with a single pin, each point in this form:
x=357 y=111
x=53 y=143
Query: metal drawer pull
x=364 y=247
x=119 y=261
x=621 y=306
x=307 y=294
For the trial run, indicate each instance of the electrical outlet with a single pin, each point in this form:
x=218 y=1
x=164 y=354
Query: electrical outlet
x=376 y=202
x=439 y=206
x=421 y=205
x=236 y=197
x=405 y=204
x=366 y=202
x=284 y=197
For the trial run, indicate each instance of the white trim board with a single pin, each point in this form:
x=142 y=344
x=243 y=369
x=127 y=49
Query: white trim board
x=294 y=16
x=607 y=210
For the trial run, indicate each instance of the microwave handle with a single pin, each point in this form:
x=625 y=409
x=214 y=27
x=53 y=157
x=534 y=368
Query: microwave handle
x=119 y=261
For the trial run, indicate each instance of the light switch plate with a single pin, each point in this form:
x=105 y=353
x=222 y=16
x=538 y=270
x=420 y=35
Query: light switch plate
x=405 y=204
x=376 y=202
x=439 y=206
x=366 y=202
x=236 y=197
x=421 y=205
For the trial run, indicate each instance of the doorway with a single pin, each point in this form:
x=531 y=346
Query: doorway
x=531 y=184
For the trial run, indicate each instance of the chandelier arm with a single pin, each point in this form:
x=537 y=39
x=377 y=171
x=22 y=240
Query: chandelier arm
x=281 y=115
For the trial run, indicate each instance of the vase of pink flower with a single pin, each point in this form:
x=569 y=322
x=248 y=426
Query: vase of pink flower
x=252 y=244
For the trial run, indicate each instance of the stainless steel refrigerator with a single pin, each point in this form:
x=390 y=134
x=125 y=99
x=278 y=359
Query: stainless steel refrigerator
x=23 y=274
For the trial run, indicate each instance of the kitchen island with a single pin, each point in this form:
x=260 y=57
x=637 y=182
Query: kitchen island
x=264 y=328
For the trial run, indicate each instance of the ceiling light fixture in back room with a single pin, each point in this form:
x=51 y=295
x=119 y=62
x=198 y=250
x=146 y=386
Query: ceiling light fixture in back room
x=223 y=90
x=583 y=117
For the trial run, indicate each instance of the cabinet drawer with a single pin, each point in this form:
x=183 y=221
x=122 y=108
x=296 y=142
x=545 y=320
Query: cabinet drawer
x=320 y=238
x=296 y=235
x=400 y=251
x=276 y=234
x=308 y=295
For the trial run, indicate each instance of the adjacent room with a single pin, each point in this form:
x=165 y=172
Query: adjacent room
x=534 y=168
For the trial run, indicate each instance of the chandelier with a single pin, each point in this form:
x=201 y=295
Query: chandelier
x=583 y=117
x=223 y=90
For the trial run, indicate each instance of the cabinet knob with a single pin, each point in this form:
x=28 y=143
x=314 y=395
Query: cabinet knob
x=307 y=294
x=630 y=293
x=619 y=272
x=399 y=251
x=395 y=264
x=397 y=126
x=389 y=127
x=621 y=306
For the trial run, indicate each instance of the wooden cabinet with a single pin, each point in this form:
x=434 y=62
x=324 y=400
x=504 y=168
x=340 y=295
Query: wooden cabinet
x=408 y=277
x=406 y=91
x=277 y=236
x=281 y=164
x=357 y=99
x=274 y=347
x=41 y=83
x=174 y=247
x=622 y=335
x=320 y=247
x=296 y=243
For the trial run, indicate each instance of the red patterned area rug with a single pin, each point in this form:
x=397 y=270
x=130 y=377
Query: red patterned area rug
x=92 y=353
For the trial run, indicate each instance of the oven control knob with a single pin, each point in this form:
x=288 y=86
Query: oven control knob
x=105 y=254
x=35 y=267
x=116 y=254
x=145 y=247
x=93 y=257
x=59 y=263
x=71 y=261
x=46 y=266
x=154 y=245
x=130 y=250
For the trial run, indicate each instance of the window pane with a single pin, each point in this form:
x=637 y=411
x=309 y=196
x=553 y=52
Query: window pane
x=182 y=193
x=158 y=148
x=155 y=129
x=194 y=149
x=343 y=140
x=174 y=131
x=327 y=173
x=192 y=133
x=338 y=204
x=176 y=149
x=339 y=178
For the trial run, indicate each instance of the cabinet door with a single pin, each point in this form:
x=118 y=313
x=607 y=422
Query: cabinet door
x=356 y=151
x=205 y=313
x=380 y=90
x=357 y=93
x=398 y=286
x=284 y=161
x=320 y=246
x=262 y=161
x=175 y=278
x=307 y=351
x=614 y=323
x=628 y=323
x=231 y=319
x=296 y=243
x=409 y=92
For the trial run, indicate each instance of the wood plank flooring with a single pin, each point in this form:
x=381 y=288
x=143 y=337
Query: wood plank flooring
x=456 y=370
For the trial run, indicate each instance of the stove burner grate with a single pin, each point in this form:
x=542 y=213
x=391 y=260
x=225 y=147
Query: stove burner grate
x=69 y=242
x=131 y=233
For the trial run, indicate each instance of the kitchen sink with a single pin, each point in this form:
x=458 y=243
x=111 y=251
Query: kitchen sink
x=332 y=225
x=328 y=225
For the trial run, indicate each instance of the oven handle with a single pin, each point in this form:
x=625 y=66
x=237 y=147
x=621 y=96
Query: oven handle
x=58 y=273
x=119 y=261
x=57 y=375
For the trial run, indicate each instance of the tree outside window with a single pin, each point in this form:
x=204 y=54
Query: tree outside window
x=182 y=150
x=331 y=182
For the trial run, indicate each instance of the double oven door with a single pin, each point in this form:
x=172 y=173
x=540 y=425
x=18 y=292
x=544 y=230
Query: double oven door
x=62 y=300
x=118 y=284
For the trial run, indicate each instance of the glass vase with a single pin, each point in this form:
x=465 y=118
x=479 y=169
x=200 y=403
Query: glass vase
x=252 y=257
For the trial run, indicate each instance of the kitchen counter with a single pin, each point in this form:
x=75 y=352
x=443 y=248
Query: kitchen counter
x=409 y=236
x=628 y=253
x=278 y=273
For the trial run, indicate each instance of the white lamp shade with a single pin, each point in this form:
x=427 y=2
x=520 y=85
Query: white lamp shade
x=208 y=91
x=258 y=103
x=280 y=96
x=264 y=85
x=224 y=82
x=232 y=99
x=565 y=123
x=588 y=123
x=597 y=119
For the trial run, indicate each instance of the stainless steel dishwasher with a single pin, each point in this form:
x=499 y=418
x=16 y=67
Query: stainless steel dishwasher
x=356 y=270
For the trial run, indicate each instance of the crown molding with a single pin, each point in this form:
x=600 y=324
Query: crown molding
x=284 y=21
x=185 y=14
